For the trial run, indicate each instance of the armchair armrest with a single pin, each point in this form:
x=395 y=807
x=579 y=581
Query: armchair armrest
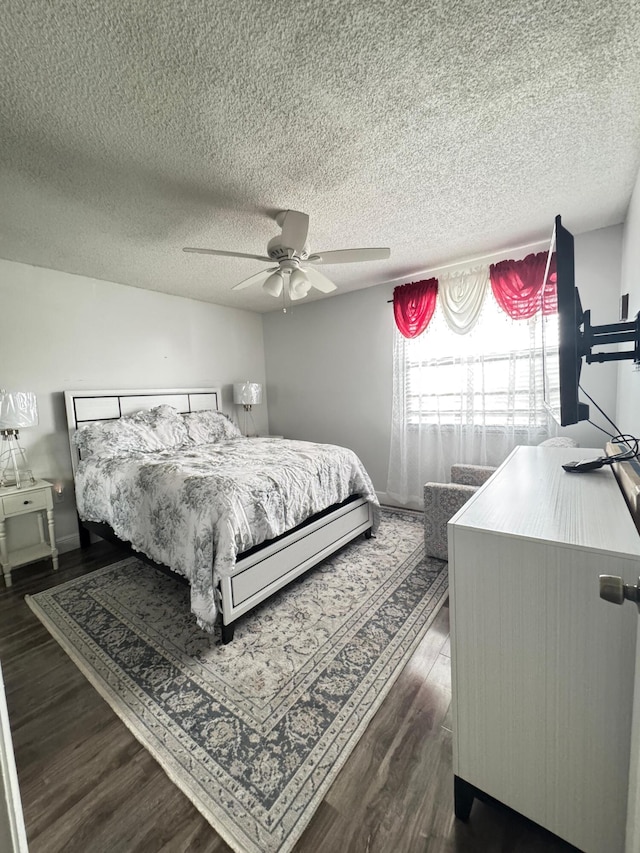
x=441 y=502
x=471 y=475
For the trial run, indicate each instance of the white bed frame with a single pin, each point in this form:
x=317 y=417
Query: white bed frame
x=260 y=572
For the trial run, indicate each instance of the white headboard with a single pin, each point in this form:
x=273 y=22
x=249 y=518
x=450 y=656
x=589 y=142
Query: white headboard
x=87 y=406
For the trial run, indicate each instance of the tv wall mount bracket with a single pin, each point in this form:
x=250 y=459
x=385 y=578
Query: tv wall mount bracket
x=613 y=333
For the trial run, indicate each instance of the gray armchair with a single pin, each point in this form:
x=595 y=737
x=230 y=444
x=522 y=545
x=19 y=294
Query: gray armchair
x=443 y=500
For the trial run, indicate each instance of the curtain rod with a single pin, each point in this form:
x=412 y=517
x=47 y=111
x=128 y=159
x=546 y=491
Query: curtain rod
x=470 y=261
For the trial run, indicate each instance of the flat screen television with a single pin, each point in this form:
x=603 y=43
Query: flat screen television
x=563 y=344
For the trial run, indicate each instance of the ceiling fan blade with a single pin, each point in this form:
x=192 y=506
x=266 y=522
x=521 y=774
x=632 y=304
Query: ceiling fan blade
x=348 y=256
x=257 y=278
x=227 y=254
x=319 y=280
x=295 y=227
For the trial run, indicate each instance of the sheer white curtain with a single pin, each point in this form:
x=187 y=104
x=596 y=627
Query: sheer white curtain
x=467 y=398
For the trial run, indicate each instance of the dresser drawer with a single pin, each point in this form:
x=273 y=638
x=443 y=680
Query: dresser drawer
x=27 y=502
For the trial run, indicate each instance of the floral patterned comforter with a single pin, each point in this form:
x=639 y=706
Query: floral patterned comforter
x=198 y=507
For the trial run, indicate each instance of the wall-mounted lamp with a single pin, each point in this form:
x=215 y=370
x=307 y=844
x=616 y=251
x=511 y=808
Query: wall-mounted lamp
x=18 y=409
x=247 y=394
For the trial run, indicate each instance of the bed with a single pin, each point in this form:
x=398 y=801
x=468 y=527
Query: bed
x=238 y=517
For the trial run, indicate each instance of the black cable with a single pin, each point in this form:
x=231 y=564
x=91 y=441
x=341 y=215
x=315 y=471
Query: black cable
x=632 y=451
x=633 y=443
x=604 y=414
x=600 y=428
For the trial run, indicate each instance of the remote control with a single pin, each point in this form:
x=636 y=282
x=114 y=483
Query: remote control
x=584 y=465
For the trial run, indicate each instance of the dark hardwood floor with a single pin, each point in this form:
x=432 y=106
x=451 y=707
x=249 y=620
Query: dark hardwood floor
x=88 y=785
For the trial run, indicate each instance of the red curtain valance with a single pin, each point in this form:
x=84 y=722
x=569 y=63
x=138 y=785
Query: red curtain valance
x=413 y=306
x=517 y=285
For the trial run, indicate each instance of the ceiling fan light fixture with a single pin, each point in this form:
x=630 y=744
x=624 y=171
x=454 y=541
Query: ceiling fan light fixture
x=299 y=284
x=273 y=285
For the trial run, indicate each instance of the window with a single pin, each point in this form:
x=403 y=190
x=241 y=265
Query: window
x=465 y=398
x=491 y=377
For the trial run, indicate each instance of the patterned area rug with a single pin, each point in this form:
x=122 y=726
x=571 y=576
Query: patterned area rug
x=254 y=732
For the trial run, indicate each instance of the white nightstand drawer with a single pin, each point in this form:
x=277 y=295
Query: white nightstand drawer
x=25 y=502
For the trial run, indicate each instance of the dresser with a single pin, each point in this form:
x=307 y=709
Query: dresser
x=542 y=668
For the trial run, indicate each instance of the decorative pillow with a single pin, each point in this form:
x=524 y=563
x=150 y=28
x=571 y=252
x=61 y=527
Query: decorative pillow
x=208 y=427
x=160 y=428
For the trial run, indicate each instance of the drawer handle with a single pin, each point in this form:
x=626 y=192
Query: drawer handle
x=27 y=502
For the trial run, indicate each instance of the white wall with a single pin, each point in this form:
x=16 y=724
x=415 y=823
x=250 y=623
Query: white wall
x=628 y=376
x=329 y=374
x=61 y=331
x=329 y=363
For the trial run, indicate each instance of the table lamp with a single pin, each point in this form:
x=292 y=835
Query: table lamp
x=18 y=409
x=247 y=394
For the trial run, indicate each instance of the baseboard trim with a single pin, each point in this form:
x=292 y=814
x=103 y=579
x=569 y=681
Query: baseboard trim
x=67 y=543
x=386 y=500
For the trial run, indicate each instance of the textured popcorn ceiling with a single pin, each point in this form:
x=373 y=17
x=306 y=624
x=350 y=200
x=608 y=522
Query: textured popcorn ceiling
x=444 y=130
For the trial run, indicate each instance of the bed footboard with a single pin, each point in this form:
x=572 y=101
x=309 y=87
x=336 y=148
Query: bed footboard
x=258 y=575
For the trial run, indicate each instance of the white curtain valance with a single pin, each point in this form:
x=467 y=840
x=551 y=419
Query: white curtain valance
x=461 y=295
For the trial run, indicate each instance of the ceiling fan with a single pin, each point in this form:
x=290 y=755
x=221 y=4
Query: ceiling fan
x=295 y=263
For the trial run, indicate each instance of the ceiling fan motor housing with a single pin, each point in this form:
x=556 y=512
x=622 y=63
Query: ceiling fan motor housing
x=279 y=252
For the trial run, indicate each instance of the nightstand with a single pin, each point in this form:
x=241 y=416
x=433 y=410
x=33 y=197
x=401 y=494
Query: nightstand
x=38 y=498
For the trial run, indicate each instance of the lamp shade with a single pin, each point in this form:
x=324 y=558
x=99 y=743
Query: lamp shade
x=247 y=393
x=299 y=285
x=273 y=285
x=18 y=409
